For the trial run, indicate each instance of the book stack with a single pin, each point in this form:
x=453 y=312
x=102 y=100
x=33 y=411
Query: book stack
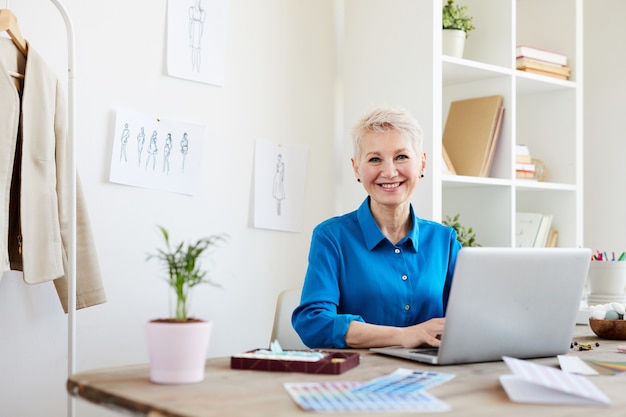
x=533 y=230
x=539 y=61
x=471 y=134
x=524 y=165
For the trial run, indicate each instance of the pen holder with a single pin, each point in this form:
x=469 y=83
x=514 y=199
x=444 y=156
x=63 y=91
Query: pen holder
x=606 y=281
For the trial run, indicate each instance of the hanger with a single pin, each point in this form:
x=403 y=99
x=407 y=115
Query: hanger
x=8 y=23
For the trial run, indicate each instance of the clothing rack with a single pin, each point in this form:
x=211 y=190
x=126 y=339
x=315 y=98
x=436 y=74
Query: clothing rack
x=13 y=29
x=71 y=264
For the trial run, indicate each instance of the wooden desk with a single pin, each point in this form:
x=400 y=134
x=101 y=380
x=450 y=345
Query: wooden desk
x=476 y=390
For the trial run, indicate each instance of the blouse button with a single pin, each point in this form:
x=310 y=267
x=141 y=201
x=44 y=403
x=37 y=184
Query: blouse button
x=404 y=277
x=397 y=250
x=407 y=307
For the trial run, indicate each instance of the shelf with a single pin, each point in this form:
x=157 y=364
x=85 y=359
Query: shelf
x=542 y=185
x=528 y=83
x=461 y=71
x=542 y=112
x=451 y=181
x=461 y=181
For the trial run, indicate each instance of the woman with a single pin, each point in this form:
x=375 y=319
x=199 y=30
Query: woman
x=379 y=276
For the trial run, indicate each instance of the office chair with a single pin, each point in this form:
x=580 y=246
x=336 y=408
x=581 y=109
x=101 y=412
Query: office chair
x=282 y=330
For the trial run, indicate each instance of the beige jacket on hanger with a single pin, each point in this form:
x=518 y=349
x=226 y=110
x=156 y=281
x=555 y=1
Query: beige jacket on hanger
x=35 y=232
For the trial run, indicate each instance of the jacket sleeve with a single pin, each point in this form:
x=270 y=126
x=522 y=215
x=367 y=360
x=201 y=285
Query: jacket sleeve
x=89 y=285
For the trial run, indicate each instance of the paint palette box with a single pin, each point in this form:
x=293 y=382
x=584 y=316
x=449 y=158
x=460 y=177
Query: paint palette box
x=332 y=362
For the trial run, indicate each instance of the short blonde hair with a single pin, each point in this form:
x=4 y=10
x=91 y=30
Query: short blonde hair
x=383 y=119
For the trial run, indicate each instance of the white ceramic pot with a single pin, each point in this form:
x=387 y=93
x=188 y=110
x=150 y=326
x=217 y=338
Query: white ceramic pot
x=606 y=280
x=453 y=42
x=178 y=351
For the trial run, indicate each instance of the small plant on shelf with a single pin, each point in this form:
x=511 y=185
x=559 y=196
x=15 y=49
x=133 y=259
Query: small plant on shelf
x=456 y=17
x=467 y=237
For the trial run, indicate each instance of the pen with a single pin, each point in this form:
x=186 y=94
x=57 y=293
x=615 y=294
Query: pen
x=604 y=256
x=598 y=255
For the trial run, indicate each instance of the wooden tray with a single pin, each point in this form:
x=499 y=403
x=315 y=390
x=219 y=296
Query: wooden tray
x=332 y=363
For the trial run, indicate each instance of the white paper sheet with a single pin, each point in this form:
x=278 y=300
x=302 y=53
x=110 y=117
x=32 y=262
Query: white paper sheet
x=153 y=152
x=533 y=383
x=575 y=365
x=196 y=40
x=279 y=183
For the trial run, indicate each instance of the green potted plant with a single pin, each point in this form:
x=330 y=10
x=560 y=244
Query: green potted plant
x=466 y=236
x=456 y=24
x=177 y=345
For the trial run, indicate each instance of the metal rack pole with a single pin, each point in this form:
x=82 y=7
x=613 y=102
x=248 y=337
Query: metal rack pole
x=71 y=272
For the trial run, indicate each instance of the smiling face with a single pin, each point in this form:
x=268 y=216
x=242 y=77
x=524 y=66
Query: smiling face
x=389 y=167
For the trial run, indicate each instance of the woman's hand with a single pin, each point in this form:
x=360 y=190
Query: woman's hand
x=427 y=333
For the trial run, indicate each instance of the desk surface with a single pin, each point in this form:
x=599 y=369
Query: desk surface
x=475 y=391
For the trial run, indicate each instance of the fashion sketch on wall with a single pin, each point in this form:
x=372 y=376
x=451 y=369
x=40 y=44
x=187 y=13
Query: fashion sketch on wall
x=279 y=180
x=152 y=152
x=196 y=39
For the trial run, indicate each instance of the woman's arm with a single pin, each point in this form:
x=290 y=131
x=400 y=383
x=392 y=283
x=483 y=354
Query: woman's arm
x=365 y=335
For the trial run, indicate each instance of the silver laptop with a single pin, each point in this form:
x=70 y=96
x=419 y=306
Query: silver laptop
x=518 y=302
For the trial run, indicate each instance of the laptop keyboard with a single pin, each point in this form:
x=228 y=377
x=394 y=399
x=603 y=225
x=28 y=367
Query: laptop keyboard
x=426 y=351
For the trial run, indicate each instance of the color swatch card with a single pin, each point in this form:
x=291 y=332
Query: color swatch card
x=609 y=367
x=404 y=382
x=533 y=383
x=402 y=390
x=339 y=396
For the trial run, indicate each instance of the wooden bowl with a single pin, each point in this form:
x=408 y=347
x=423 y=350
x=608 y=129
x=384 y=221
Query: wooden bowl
x=608 y=329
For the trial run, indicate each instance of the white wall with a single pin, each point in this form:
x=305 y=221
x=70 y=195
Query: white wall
x=279 y=86
x=398 y=73
x=605 y=139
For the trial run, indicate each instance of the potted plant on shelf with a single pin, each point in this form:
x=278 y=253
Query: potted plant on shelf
x=467 y=237
x=457 y=24
x=177 y=345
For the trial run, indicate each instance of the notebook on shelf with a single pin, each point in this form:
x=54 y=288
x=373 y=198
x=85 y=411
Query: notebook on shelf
x=471 y=133
x=517 y=302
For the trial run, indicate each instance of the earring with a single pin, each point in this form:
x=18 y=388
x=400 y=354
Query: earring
x=422 y=176
x=358 y=180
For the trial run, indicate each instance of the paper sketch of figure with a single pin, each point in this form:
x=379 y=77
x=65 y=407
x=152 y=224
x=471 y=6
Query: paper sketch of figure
x=124 y=140
x=184 y=148
x=141 y=139
x=162 y=145
x=152 y=150
x=197 y=16
x=279 y=183
x=167 y=150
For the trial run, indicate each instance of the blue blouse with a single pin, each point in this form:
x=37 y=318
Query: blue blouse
x=356 y=273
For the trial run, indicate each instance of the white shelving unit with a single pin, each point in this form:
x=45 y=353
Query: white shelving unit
x=392 y=55
x=542 y=112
